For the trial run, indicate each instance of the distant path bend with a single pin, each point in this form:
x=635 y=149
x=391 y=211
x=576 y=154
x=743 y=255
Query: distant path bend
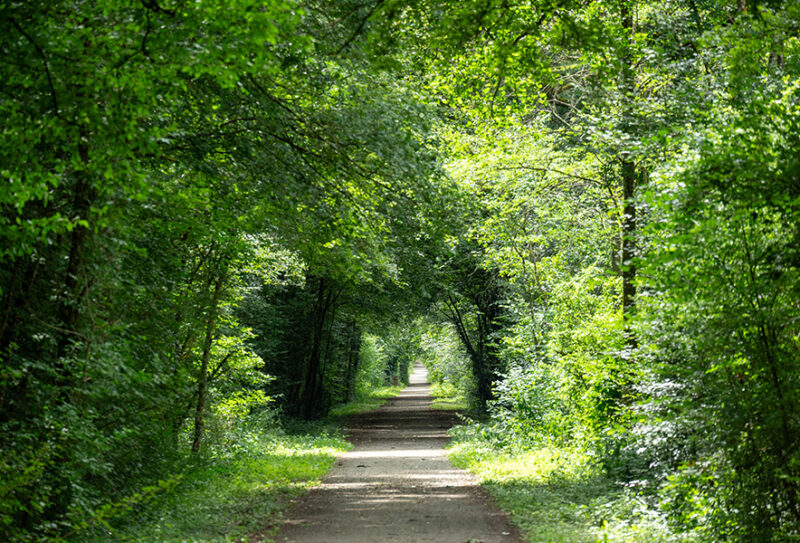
x=397 y=485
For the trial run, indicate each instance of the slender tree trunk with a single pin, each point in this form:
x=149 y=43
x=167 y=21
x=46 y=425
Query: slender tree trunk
x=353 y=348
x=69 y=302
x=312 y=381
x=8 y=299
x=489 y=363
x=327 y=356
x=484 y=360
x=202 y=380
x=628 y=239
x=628 y=167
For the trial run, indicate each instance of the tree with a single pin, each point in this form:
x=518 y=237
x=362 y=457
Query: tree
x=153 y=149
x=472 y=305
x=719 y=320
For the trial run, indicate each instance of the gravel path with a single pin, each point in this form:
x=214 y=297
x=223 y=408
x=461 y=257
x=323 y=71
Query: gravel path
x=396 y=484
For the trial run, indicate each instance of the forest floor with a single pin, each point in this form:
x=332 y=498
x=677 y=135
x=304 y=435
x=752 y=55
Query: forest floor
x=397 y=485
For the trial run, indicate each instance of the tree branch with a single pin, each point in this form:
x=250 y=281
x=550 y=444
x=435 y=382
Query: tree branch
x=458 y=322
x=153 y=5
x=360 y=27
x=551 y=170
x=46 y=64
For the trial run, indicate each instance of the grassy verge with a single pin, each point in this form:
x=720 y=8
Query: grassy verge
x=227 y=496
x=558 y=495
x=366 y=401
x=240 y=490
x=446 y=397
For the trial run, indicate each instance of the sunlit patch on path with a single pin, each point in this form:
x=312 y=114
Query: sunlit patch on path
x=396 y=484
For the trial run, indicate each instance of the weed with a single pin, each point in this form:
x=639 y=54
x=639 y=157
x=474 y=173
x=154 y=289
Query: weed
x=228 y=496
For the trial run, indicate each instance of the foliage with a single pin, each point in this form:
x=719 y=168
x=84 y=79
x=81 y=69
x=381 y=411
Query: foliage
x=169 y=171
x=444 y=356
x=558 y=494
x=530 y=407
x=372 y=363
x=549 y=232
x=582 y=216
x=237 y=492
x=587 y=135
x=446 y=397
x=721 y=328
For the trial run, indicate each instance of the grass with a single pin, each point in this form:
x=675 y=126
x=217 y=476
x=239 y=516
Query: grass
x=559 y=495
x=227 y=497
x=366 y=401
x=240 y=490
x=446 y=397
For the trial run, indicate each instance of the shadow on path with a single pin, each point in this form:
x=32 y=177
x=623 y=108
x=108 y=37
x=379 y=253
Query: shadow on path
x=396 y=484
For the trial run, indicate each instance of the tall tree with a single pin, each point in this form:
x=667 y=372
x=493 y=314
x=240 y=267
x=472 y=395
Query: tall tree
x=151 y=150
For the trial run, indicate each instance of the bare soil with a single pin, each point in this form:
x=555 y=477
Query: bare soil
x=397 y=485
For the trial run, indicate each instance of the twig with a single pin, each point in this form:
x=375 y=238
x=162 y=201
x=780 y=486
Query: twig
x=46 y=64
x=360 y=27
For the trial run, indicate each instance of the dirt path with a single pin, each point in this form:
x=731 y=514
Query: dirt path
x=397 y=485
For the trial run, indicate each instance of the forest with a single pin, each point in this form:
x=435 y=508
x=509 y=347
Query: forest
x=222 y=221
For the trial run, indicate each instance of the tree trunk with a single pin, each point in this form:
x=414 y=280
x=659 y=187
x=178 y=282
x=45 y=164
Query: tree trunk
x=628 y=167
x=311 y=390
x=202 y=380
x=484 y=361
x=67 y=313
x=70 y=299
x=628 y=239
x=353 y=348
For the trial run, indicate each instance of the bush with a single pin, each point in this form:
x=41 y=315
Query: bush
x=530 y=407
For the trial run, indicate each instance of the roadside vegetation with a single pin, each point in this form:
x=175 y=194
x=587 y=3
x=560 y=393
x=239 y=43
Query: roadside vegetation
x=558 y=494
x=237 y=493
x=446 y=397
x=367 y=402
x=241 y=487
x=582 y=216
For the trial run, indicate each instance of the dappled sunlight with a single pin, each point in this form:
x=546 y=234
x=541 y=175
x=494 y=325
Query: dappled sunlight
x=536 y=466
x=386 y=501
x=398 y=481
x=435 y=479
x=560 y=495
x=441 y=478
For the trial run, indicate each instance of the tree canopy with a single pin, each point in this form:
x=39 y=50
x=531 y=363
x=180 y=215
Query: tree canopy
x=583 y=215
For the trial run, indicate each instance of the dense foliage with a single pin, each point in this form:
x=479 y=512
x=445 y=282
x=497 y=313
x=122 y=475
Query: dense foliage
x=582 y=216
x=193 y=196
x=634 y=167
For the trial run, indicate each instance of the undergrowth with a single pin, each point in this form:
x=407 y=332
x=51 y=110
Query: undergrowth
x=447 y=397
x=238 y=489
x=230 y=493
x=557 y=494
